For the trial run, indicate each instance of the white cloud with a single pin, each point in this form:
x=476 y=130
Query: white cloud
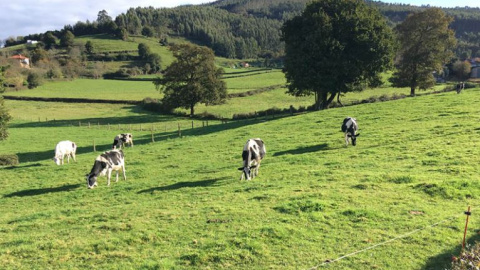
x=24 y=17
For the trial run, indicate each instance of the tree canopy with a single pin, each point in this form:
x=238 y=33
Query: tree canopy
x=426 y=45
x=192 y=78
x=335 y=46
x=4 y=115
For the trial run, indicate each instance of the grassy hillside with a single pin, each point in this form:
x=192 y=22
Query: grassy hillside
x=183 y=206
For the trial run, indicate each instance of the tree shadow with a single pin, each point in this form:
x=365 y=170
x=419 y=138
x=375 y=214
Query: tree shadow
x=41 y=191
x=14 y=167
x=303 y=150
x=179 y=185
x=444 y=260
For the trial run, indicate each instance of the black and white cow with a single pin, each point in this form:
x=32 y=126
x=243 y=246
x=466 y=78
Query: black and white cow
x=122 y=139
x=104 y=164
x=253 y=153
x=64 y=148
x=350 y=128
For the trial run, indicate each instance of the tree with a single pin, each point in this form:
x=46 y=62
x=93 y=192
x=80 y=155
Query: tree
x=34 y=80
x=67 y=38
x=462 y=69
x=335 y=46
x=4 y=115
x=192 y=78
x=426 y=45
x=148 y=31
x=49 y=40
x=89 y=49
x=143 y=51
x=154 y=60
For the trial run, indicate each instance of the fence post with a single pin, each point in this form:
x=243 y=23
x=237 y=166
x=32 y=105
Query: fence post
x=94 y=148
x=179 y=131
x=468 y=213
x=79 y=123
x=88 y=124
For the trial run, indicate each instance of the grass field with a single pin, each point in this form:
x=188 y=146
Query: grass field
x=413 y=172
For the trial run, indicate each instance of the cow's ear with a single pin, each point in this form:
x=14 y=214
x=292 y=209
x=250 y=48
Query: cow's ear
x=254 y=166
x=240 y=169
x=357 y=135
x=349 y=135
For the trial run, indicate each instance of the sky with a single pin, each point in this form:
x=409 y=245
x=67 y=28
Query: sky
x=24 y=17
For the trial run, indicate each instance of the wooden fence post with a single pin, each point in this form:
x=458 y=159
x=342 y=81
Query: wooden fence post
x=94 y=148
x=179 y=131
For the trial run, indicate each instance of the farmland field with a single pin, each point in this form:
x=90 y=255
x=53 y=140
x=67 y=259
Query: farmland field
x=410 y=178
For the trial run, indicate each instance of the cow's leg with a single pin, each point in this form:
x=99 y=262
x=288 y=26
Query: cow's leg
x=68 y=158
x=73 y=156
x=116 y=176
x=109 y=175
x=124 y=174
x=346 y=139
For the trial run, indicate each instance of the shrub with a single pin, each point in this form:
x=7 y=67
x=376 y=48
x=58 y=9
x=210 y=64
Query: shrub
x=469 y=259
x=8 y=160
x=34 y=80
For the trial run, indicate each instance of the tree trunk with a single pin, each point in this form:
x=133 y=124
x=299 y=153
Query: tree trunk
x=322 y=101
x=412 y=91
x=192 y=110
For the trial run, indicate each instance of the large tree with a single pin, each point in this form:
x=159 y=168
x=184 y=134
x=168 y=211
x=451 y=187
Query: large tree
x=192 y=78
x=4 y=115
x=426 y=45
x=335 y=46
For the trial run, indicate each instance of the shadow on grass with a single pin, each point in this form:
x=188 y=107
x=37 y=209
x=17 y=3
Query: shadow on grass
x=179 y=185
x=41 y=191
x=303 y=150
x=444 y=260
x=13 y=167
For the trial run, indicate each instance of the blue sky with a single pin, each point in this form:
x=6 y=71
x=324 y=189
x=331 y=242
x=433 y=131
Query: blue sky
x=23 y=17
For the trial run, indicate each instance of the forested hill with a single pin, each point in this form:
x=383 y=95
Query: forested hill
x=248 y=28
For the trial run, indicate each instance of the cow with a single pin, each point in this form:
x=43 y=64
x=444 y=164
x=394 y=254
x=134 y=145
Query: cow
x=350 y=128
x=64 y=148
x=253 y=153
x=113 y=160
x=460 y=87
x=122 y=139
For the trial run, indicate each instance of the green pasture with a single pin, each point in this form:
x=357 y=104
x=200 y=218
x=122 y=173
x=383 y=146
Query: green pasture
x=236 y=83
x=411 y=176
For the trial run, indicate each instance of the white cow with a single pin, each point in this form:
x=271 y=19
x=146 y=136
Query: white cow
x=253 y=153
x=64 y=148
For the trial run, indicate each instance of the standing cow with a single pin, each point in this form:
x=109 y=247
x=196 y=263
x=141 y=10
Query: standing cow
x=104 y=164
x=253 y=153
x=122 y=139
x=64 y=148
x=350 y=128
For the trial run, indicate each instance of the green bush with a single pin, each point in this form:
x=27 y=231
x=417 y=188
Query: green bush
x=8 y=160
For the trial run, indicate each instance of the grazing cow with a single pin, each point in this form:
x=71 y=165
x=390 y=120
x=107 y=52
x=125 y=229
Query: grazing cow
x=122 y=139
x=460 y=87
x=350 y=128
x=64 y=148
x=253 y=153
x=104 y=164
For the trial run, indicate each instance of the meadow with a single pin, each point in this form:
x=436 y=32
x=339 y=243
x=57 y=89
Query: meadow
x=413 y=172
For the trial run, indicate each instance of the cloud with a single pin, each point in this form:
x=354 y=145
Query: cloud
x=24 y=17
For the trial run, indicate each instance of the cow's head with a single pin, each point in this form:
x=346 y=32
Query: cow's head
x=91 y=180
x=247 y=171
x=57 y=160
x=354 y=138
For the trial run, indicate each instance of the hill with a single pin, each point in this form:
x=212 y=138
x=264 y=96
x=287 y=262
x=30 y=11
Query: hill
x=249 y=29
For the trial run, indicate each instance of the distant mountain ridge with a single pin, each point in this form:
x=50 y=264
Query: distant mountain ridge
x=251 y=28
